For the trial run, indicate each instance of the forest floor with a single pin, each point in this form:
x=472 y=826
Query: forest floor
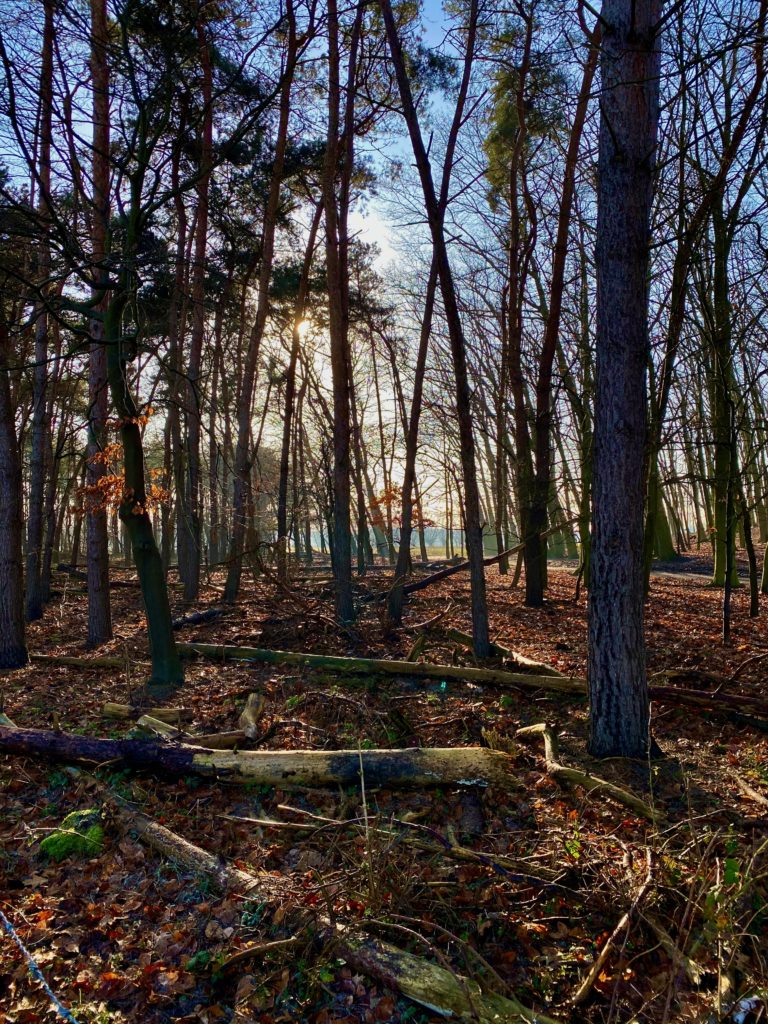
x=125 y=936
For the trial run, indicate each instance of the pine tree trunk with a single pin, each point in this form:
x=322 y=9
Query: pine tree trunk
x=13 y=649
x=618 y=686
x=97 y=558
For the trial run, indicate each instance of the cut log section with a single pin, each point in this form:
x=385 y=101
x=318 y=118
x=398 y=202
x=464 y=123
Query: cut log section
x=126 y=711
x=418 y=766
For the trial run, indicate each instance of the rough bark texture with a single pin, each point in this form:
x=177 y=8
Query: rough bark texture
x=99 y=610
x=628 y=126
x=13 y=650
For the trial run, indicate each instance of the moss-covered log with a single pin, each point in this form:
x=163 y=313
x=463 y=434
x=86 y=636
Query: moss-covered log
x=418 y=766
x=383 y=666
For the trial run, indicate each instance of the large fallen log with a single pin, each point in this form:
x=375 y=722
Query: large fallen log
x=714 y=700
x=573 y=685
x=417 y=766
x=379 y=666
x=440 y=990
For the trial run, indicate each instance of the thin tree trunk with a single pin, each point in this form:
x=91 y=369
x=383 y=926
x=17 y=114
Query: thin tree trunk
x=435 y=215
x=290 y=391
x=13 y=649
x=243 y=457
x=39 y=432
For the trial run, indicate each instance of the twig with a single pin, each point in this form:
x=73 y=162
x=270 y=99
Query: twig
x=262 y=949
x=582 y=992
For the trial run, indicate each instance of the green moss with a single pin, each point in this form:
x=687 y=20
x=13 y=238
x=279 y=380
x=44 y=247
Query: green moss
x=79 y=835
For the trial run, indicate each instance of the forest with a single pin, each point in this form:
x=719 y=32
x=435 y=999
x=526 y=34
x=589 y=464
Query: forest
x=383 y=511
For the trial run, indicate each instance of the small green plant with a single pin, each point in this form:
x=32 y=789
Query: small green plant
x=199 y=963
x=79 y=834
x=572 y=844
x=252 y=913
x=58 y=780
x=295 y=701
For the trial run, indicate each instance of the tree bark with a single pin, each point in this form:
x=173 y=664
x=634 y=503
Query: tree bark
x=618 y=686
x=97 y=559
x=13 y=649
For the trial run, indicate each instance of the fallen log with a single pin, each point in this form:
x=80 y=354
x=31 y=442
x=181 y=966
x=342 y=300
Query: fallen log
x=76 y=662
x=374 y=666
x=416 y=766
x=196 y=618
x=78 y=574
x=219 y=740
x=499 y=651
x=127 y=711
x=575 y=777
x=573 y=685
x=440 y=990
x=160 y=728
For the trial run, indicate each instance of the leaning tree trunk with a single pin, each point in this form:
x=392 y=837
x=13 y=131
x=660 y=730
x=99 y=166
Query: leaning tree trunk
x=167 y=671
x=618 y=686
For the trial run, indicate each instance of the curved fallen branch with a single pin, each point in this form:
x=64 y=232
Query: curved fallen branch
x=575 y=777
x=451 y=570
x=498 y=650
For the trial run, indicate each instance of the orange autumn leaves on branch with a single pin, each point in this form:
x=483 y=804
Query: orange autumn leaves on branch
x=391 y=498
x=109 y=490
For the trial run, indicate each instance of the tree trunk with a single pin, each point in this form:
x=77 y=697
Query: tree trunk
x=619 y=705
x=243 y=456
x=40 y=428
x=97 y=558
x=13 y=650
x=290 y=391
x=435 y=215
